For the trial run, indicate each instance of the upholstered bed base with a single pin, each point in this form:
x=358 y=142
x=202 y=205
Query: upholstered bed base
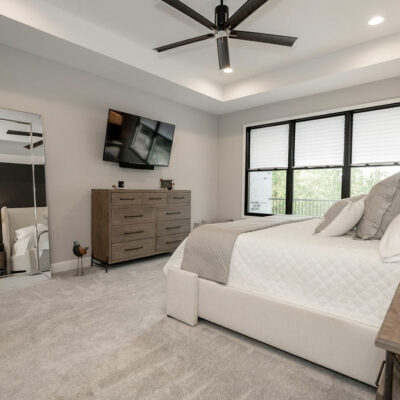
x=342 y=345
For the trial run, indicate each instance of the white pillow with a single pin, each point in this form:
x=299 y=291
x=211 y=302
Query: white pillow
x=389 y=246
x=346 y=220
x=21 y=246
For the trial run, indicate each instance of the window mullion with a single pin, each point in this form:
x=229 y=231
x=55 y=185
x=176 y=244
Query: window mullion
x=348 y=136
x=289 y=174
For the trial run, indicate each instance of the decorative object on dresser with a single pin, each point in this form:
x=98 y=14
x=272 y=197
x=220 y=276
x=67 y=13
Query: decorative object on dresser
x=388 y=338
x=167 y=184
x=129 y=224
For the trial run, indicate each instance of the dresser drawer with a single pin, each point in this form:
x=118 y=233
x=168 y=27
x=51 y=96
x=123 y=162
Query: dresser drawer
x=131 y=215
x=178 y=198
x=173 y=212
x=154 y=198
x=170 y=242
x=124 y=233
x=126 y=199
x=132 y=249
x=173 y=227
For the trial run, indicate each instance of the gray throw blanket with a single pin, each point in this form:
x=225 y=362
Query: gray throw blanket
x=208 y=249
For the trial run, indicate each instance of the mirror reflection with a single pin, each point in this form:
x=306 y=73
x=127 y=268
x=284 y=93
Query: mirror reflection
x=24 y=237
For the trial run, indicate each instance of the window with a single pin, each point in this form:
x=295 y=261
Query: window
x=268 y=162
x=303 y=166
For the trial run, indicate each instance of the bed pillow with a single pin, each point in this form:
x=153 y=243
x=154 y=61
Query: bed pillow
x=389 y=246
x=346 y=220
x=335 y=210
x=382 y=205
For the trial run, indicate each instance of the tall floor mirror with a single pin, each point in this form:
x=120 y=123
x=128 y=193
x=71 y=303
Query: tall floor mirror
x=24 y=240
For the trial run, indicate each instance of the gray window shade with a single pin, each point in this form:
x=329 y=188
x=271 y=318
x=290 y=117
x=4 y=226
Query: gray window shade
x=376 y=136
x=269 y=147
x=320 y=142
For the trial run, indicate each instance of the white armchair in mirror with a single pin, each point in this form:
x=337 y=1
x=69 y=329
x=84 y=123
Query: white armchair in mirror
x=24 y=236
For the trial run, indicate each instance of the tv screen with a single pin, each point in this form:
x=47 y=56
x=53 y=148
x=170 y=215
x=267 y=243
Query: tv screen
x=137 y=141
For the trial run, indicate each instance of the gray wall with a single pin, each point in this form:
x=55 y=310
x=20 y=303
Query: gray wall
x=230 y=142
x=74 y=107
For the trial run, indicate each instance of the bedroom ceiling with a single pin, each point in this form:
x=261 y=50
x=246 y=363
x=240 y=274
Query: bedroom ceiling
x=336 y=46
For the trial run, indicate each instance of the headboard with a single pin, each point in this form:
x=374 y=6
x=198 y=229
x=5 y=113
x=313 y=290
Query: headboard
x=16 y=218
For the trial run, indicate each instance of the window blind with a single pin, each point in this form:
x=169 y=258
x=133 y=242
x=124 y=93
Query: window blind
x=269 y=147
x=376 y=136
x=320 y=142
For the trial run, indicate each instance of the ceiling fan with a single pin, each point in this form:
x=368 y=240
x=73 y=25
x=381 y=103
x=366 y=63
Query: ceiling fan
x=224 y=28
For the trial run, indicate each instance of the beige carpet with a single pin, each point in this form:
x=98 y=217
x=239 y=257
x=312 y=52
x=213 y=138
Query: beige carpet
x=105 y=336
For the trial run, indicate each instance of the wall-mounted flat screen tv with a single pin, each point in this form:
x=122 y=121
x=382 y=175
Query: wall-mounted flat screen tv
x=137 y=142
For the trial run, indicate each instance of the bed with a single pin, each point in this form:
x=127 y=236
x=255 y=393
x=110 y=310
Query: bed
x=320 y=298
x=24 y=249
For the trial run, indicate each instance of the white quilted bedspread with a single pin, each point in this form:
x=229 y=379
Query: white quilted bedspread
x=336 y=275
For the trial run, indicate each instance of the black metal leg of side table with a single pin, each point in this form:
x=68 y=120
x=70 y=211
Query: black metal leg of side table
x=389 y=376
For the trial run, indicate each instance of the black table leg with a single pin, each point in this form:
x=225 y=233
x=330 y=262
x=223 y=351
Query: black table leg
x=389 y=376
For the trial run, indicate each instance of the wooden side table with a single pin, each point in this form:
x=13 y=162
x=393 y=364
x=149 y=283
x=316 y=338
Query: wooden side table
x=388 y=338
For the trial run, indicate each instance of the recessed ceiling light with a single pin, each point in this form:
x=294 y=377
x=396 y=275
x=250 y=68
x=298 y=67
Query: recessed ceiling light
x=376 y=20
x=228 y=70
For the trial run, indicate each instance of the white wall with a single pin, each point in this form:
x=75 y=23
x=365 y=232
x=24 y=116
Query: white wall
x=230 y=142
x=74 y=107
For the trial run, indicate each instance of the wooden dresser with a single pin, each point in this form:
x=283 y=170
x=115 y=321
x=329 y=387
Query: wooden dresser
x=130 y=224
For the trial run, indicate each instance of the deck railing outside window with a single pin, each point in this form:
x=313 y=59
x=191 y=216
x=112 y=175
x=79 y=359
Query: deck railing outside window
x=309 y=207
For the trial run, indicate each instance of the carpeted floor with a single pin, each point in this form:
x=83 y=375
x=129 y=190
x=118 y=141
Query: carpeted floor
x=105 y=336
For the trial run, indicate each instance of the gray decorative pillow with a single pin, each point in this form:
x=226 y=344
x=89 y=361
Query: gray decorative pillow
x=335 y=210
x=382 y=205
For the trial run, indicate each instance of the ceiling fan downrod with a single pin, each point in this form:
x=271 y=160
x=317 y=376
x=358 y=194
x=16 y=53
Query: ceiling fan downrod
x=221 y=15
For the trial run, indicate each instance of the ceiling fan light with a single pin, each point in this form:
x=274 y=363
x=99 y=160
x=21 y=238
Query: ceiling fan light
x=376 y=20
x=228 y=70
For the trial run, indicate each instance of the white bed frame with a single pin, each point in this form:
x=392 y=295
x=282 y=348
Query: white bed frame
x=336 y=343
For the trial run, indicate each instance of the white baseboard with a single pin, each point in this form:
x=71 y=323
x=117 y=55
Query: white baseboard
x=68 y=265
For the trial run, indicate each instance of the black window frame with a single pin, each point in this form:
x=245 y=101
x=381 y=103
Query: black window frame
x=347 y=154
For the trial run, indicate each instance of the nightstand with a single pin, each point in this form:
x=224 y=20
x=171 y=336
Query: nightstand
x=389 y=339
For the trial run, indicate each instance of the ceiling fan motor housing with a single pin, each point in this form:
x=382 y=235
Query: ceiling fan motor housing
x=221 y=16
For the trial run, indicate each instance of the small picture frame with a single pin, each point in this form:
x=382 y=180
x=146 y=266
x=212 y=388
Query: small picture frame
x=167 y=184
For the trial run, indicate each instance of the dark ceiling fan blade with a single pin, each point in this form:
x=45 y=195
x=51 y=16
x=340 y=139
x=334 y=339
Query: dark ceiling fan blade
x=184 y=42
x=223 y=52
x=37 y=144
x=23 y=133
x=190 y=13
x=246 y=10
x=264 y=38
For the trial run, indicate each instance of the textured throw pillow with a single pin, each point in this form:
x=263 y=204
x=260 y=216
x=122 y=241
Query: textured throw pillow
x=382 y=205
x=335 y=210
x=346 y=220
x=389 y=246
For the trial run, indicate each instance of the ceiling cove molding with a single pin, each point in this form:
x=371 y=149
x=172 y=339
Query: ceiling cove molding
x=50 y=32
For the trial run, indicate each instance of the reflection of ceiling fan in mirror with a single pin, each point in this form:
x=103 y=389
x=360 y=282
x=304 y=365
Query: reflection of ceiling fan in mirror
x=224 y=28
x=23 y=133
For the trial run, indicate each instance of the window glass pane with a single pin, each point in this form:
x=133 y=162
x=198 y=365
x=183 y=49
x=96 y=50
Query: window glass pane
x=363 y=178
x=267 y=192
x=269 y=147
x=314 y=191
x=376 y=136
x=320 y=142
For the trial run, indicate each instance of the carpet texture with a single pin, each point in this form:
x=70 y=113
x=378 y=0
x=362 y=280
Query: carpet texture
x=105 y=336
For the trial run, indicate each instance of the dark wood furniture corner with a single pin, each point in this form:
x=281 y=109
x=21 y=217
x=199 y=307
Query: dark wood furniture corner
x=388 y=339
x=2 y=262
x=130 y=224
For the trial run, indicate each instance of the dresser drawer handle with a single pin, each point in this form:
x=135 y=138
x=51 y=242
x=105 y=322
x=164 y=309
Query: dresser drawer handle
x=174 y=213
x=134 y=248
x=133 y=216
x=133 y=198
x=131 y=233
x=179 y=198
x=175 y=241
x=174 y=227
x=155 y=198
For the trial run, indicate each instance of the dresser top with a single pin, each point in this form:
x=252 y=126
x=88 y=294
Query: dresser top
x=389 y=335
x=140 y=191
